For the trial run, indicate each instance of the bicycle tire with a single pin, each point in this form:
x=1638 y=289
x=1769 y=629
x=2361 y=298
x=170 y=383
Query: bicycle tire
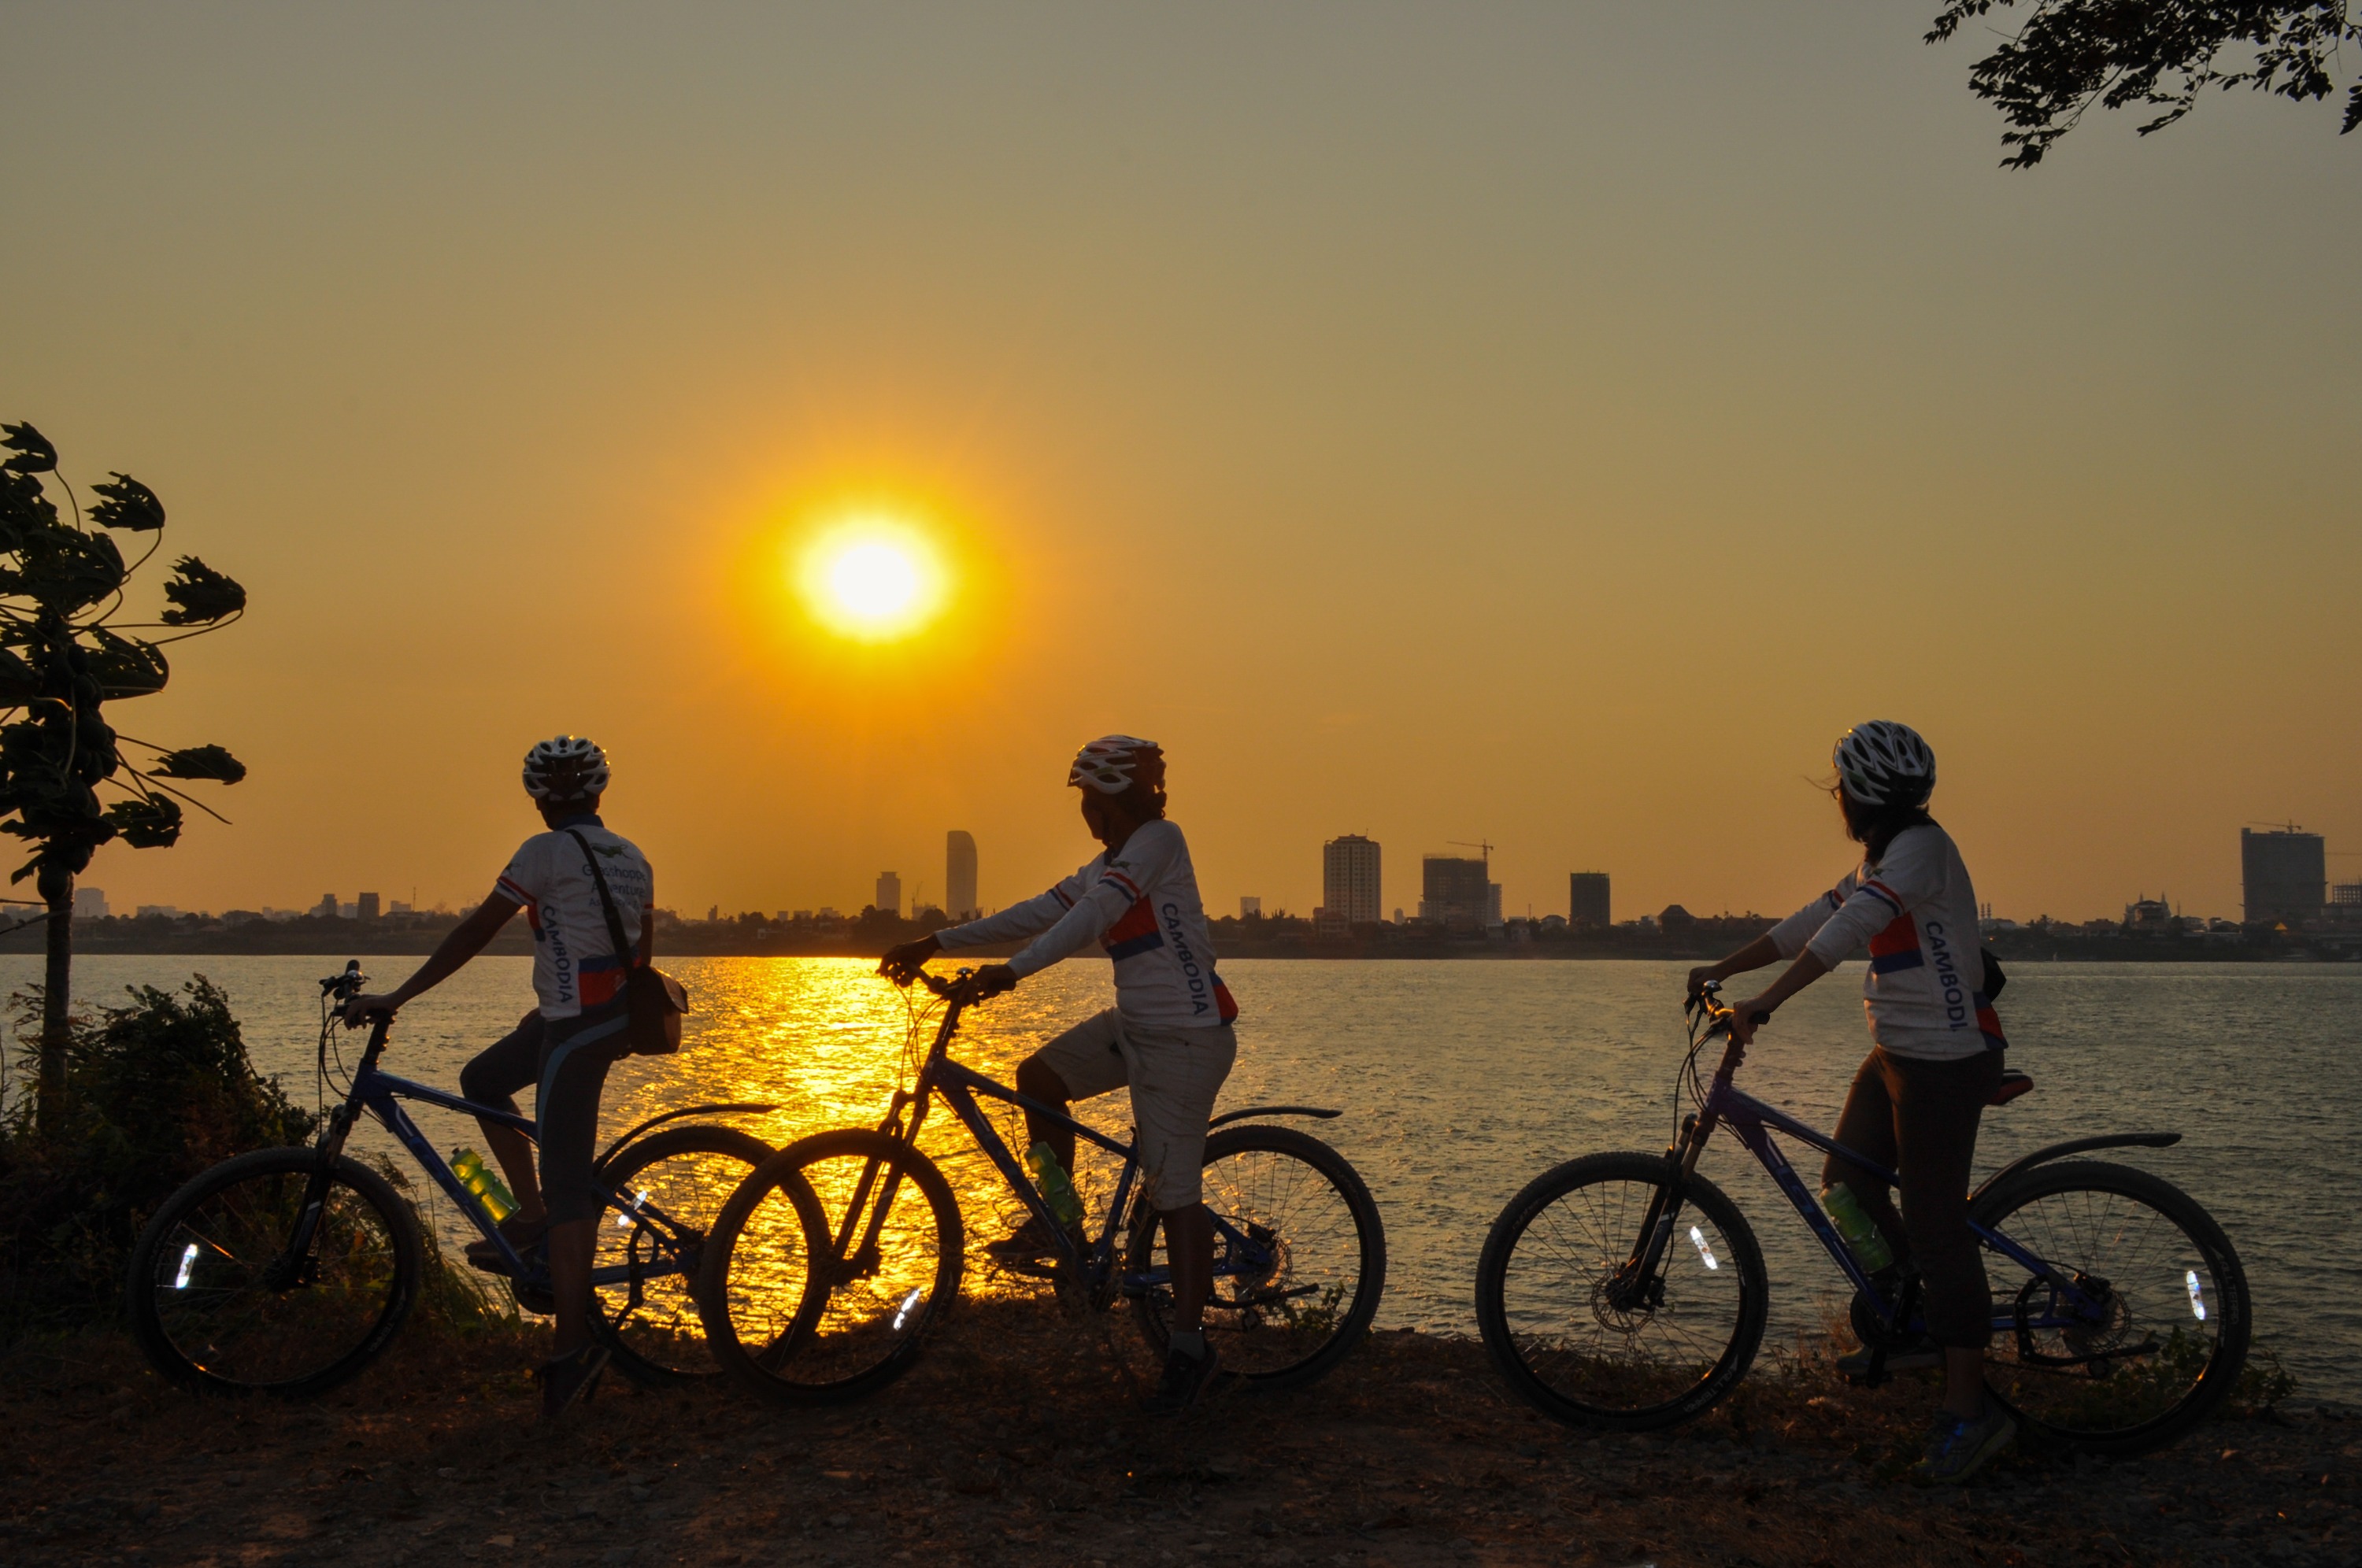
x=2083 y=1396
x=800 y=1335
x=658 y=1340
x=1260 y=1334
x=1536 y=1311
x=205 y=1309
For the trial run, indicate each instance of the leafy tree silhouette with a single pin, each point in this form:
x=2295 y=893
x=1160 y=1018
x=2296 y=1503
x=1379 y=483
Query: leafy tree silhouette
x=64 y=656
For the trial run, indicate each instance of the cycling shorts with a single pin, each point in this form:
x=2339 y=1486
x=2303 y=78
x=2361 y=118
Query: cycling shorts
x=566 y=1059
x=1174 y=1076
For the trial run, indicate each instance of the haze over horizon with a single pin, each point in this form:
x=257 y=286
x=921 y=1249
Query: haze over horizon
x=1548 y=424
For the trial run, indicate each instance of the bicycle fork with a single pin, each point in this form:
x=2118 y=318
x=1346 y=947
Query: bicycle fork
x=1635 y=1286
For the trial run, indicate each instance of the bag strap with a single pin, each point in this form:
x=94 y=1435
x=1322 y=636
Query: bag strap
x=623 y=951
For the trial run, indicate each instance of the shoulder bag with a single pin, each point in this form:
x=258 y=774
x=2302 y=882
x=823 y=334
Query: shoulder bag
x=655 y=1000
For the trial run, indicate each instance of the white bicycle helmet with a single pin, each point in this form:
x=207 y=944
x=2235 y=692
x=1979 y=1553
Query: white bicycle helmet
x=1882 y=761
x=1107 y=764
x=566 y=768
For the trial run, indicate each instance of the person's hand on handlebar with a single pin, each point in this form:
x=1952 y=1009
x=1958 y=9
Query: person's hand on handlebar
x=901 y=965
x=994 y=979
x=358 y=1011
x=1701 y=976
x=1747 y=1017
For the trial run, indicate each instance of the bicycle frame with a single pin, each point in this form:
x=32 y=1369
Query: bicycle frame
x=1754 y=1122
x=380 y=1094
x=1236 y=1252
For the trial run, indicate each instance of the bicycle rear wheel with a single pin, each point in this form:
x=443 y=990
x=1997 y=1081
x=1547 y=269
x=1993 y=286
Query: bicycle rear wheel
x=216 y=1301
x=1299 y=1257
x=2165 y=1334
x=675 y=1182
x=1576 y=1329
x=829 y=1266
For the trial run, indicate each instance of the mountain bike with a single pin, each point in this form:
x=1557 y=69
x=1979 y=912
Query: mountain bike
x=820 y=1305
x=290 y=1270
x=1626 y=1291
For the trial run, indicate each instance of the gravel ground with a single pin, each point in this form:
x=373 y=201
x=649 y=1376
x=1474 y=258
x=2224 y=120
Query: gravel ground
x=1015 y=1442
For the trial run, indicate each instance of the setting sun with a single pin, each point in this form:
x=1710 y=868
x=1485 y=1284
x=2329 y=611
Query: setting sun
x=872 y=578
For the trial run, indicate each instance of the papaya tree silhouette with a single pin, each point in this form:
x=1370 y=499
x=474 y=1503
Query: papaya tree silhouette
x=65 y=653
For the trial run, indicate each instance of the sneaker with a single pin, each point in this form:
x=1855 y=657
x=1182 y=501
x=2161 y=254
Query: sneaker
x=1958 y=1449
x=571 y=1379
x=523 y=1234
x=1028 y=1244
x=1186 y=1377
x=1911 y=1355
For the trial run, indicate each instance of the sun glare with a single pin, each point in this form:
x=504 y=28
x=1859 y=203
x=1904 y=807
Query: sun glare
x=874 y=579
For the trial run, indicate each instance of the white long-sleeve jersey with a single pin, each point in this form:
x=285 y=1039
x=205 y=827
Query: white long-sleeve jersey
x=1917 y=913
x=1142 y=907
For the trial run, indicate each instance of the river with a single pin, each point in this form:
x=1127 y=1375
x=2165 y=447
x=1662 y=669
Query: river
x=1461 y=1080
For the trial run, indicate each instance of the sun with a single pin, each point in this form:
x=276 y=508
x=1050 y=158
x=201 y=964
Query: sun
x=872 y=578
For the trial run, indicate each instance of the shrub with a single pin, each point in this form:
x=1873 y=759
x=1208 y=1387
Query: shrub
x=155 y=1092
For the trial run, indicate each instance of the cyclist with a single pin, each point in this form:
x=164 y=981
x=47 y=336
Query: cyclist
x=564 y=1045
x=1169 y=1036
x=1935 y=1063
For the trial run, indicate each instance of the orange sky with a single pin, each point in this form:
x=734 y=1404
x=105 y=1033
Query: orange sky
x=1545 y=422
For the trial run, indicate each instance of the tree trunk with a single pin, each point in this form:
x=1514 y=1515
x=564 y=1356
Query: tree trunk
x=57 y=996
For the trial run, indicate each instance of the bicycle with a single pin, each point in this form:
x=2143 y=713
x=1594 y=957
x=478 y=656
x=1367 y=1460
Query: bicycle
x=822 y=1282
x=290 y=1270
x=1626 y=1291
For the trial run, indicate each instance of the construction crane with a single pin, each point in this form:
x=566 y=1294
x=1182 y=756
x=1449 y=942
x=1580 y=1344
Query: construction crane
x=1463 y=843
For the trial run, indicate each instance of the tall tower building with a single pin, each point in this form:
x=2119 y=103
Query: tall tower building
x=1457 y=893
x=2284 y=873
x=1349 y=879
x=959 y=875
x=369 y=906
x=889 y=892
x=1587 y=898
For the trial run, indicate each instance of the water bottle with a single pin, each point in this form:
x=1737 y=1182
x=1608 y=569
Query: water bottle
x=1861 y=1233
x=1058 y=1192
x=478 y=1179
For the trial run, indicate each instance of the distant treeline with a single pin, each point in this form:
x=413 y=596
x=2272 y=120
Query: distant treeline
x=871 y=931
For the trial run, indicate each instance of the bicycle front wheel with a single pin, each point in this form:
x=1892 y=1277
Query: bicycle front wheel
x=1583 y=1332
x=669 y=1188
x=2155 y=1331
x=1299 y=1257
x=218 y=1301
x=829 y=1266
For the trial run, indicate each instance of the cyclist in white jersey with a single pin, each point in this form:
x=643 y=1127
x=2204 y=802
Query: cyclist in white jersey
x=1935 y=1063
x=564 y=1045
x=1168 y=1038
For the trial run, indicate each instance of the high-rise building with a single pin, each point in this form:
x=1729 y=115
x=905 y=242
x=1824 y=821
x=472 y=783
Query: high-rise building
x=2283 y=872
x=1457 y=893
x=1492 y=906
x=1587 y=898
x=959 y=875
x=889 y=892
x=1250 y=906
x=1349 y=879
x=326 y=908
x=369 y=906
x=90 y=903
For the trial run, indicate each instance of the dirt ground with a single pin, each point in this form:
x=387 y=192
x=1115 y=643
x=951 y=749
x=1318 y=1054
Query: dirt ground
x=1015 y=1442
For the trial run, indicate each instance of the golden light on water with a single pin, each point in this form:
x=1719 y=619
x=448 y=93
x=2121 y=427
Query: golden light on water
x=873 y=579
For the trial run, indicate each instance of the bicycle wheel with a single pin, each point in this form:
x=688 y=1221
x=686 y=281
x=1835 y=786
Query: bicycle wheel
x=216 y=1302
x=675 y=1182
x=1299 y=1257
x=2167 y=1333
x=1575 y=1330
x=828 y=1268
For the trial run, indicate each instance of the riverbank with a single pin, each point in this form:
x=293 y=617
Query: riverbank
x=1014 y=1442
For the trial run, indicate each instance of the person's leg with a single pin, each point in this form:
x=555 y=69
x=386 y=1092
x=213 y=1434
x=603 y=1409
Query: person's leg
x=1867 y=1127
x=491 y=1077
x=1037 y=1079
x=1937 y=1108
x=1177 y=1074
x=1189 y=1248
x=574 y=1071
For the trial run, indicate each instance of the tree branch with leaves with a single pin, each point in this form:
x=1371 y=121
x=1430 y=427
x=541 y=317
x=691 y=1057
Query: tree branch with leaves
x=65 y=653
x=2159 y=55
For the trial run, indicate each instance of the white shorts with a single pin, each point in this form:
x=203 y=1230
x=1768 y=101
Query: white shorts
x=1174 y=1076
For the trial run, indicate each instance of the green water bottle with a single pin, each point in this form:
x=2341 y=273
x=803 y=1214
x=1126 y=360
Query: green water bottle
x=1058 y=1192
x=1860 y=1231
x=478 y=1179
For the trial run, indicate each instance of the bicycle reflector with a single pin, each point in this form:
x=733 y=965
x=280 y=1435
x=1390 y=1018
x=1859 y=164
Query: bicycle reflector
x=189 y=1266
x=2197 y=1296
x=1697 y=1239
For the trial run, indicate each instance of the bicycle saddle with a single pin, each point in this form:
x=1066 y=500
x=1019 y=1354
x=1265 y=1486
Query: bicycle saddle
x=2012 y=1086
